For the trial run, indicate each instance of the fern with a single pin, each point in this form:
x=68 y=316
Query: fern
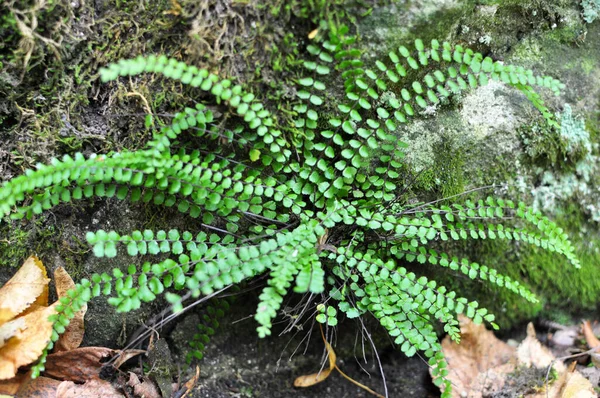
x=320 y=197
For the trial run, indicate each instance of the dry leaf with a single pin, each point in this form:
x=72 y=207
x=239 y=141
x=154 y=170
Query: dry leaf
x=93 y=388
x=479 y=353
x=591 y=340
x=146 y=389
x=532 y=353
x=576 y=386
x=570 y=384
x=41 y=387
x=73 y=335
x=29 y=286
x=480 y=364
x=314 y=378
x=10 y=330
x=125 y=356
x=78 y=365
x=85 y=363
x=11 y=386
x=313 y=33
x=28 y=345
x=189 y=385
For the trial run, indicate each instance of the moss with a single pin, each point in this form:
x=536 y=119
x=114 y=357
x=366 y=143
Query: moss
x=19 y=241
x=575 y=289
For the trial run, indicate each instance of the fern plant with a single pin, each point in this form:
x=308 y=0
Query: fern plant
x=314 y=206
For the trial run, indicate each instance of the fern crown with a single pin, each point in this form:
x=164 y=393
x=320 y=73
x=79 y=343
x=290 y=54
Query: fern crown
x=313 y=205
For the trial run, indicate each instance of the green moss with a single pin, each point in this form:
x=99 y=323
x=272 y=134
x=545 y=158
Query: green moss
x=18 y=242
x=574 y=289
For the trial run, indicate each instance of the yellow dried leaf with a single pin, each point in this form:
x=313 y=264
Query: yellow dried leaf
x=73 y=335
x=315 y=378
x=10 y=330
x=312 y=379
x=28 y=287
x=313 y=33
x=28 y=345
x=577 y=386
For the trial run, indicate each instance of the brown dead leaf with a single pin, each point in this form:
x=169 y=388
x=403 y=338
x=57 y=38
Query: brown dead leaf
x=73 y=335
x=479 y=353
x=28 y=345
x=93 y=388
x=11 y=386
x=145 y=389
x=41 y=387
x=125 y=356
x=78 y=365
x=480 y=364
x=85 y=363
x=189 y=385
x=28 y=287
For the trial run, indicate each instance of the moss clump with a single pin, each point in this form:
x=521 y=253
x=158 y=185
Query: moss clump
x=17 y=242
x=575 y=288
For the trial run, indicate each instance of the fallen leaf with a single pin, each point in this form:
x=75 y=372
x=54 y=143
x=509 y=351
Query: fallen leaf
x=73 y=335
x=479 y=353
x=591 y=340
x=93 y=388
x=576 y=386
x=146 y=389
x=315 y=378
x=78 y=365
x=189 y=385
x=29 y=344
x=313 y=33
x=29 y=286
x=11 y=386
x=570 y=384
x=312 y=379
x=41 y=387
x=11 y=329
x=532 y=353
x=125 y=356
x=480 y=364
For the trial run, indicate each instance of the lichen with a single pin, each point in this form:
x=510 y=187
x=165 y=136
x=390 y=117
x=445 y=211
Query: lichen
x=555 y=186
x=591 y=10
